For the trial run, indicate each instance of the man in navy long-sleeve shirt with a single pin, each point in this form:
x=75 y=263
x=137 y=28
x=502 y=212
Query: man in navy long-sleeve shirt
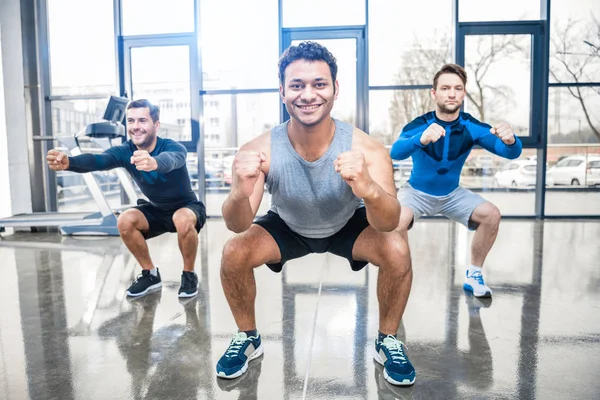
x=439 y=143
x=158 y=165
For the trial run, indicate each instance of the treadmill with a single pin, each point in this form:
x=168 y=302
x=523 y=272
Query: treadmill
x=104 y=221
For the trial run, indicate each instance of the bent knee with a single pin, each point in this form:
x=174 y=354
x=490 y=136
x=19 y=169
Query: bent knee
x=236 y=253
x=127 y=222
x=184 y=222
x=492 y=215
x=394 y=253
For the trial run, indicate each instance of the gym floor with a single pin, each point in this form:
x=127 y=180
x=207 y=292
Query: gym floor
x=67 y=331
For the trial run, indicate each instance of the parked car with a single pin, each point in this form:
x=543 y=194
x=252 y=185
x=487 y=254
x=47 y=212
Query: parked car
x=519 y=173
x=593 y=173
x=482 y=165
x=573 y=170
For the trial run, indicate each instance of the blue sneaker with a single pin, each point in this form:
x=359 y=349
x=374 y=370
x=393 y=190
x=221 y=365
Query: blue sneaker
x=240 y=352
x=397 y=369
x=474 y=283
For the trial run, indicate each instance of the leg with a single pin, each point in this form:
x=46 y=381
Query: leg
x=389 y=251
x=133 y=226
x=487 y=217
x=185 y=221
x=241 y=254
x=407 y=217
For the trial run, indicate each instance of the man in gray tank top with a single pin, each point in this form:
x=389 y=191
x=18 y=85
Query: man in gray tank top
x=332 y=191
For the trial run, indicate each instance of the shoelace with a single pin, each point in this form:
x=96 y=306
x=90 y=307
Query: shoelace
x=478 y=277
x=395 y=348
x=144 y=273
x=236 y=344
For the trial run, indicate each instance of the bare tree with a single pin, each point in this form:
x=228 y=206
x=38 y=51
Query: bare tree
x=573 y=61
x=486 y=51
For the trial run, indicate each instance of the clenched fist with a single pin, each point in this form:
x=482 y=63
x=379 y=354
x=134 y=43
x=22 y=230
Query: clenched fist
x=246 y=170
x=432 y=134
x=57 y=161
x=143 y=161
x=352 y=167
x=504 y=132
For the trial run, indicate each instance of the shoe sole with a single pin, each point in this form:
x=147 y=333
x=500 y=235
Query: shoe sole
x=255 y=354
x=469 y=288
x=405 y=382
x=150 y=288
x=186 y=295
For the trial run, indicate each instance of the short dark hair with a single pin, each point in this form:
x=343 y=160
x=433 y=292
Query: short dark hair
x=143 y=103
x=309 y=51
x=450 y=69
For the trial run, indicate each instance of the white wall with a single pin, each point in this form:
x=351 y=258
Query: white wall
x=15 y=189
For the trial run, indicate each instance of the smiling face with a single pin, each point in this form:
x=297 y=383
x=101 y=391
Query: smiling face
x=449 y=93
x=308 y=91
x=142 y=130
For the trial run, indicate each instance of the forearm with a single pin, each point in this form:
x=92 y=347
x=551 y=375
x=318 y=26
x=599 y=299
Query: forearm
x=383 y=210
x=405 y=146
x=237 y=213
x=92 y=162
x=169 y=161
x=510 y=151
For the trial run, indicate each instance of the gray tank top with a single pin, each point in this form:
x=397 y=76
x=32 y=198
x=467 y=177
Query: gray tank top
x=311 y=197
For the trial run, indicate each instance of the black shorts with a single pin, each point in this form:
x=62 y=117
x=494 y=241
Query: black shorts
x=160 y=219
x=292 y=245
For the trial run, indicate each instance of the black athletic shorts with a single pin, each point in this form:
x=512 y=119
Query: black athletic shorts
x=292 y=245
x=160 y=219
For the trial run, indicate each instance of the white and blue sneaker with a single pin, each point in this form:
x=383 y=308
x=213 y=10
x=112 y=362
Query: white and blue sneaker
x=240 y=352
x=397 y=369
x=474 y=283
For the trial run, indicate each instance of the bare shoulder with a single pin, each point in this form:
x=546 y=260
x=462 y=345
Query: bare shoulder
x=261 y=143
x=371 y=148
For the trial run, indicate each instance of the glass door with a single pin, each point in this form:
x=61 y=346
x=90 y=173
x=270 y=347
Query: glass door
x=163 y=71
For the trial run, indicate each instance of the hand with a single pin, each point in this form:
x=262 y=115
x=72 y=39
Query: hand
x=246 y=170
x=57 y=161
x=352 y=167
x=143 y=161
x=432 y=134
x=504 y=132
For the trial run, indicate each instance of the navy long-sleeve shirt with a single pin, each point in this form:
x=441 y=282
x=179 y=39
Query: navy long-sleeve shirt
x=168 y=186
x=437 y=166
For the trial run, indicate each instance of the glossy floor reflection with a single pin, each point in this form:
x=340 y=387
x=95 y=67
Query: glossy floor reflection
x=67 y=331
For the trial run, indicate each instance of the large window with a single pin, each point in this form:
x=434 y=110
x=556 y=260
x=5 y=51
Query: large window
x=323 y=13
x=141 y=17
x=240 y=46
x=82 y=49
x=507 y=10
x=403 y=50
x=573 y=101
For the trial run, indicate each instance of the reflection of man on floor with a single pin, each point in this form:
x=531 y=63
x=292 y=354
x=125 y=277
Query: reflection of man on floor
x=176 y=354
x=447 y=366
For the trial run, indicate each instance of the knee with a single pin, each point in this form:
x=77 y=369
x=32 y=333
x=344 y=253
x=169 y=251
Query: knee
x=235 y=255
x=493 y=216
x=126 y=224
x=394 y=254
x=184 y=223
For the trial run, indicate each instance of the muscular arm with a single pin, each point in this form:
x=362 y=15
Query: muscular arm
x=240 y=207
x=383 y=208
